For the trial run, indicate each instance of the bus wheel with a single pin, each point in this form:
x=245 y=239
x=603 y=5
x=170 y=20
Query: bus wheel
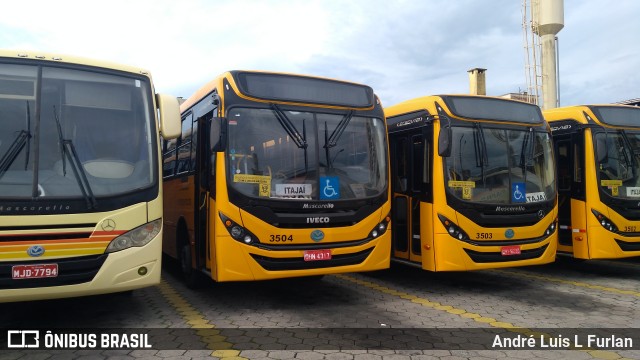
x=191 y=277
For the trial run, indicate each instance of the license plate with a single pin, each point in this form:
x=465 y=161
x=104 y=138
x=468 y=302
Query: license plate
x=34 y=271
x=317 y=255
x=510 y=250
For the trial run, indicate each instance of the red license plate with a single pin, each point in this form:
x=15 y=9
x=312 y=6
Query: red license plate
x=317 y=255
x=34 y=271
x=510 y=250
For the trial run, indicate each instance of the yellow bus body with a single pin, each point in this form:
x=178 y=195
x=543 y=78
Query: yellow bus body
x=72 y=238
x=211 y=248
x=426 y=242
x=581 y=233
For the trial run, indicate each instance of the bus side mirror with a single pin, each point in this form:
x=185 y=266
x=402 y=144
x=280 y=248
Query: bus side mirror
x=444 y=141
x=218 y=134
x=170 y=124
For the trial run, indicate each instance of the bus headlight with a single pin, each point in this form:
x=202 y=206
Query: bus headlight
x=238 y=232
x=137 y=237
x=381 y=228
x=551 y=228
x=604 y=221
x=453 y=229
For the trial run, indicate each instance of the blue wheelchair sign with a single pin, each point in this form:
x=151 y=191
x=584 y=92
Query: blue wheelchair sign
x=518 y=193
x=329 y=187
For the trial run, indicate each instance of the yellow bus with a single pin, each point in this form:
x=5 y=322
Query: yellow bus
x=80 y=176
x=598 y=153
x=473 y=183
x=278 y=175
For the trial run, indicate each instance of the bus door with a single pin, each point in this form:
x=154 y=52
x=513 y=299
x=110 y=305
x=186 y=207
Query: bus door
x=411 y=174
x=208 y=135
x=203 y=171
x=571 y=200
x=563 y=148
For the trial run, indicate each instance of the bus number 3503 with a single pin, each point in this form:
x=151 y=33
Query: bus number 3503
x=484 y=235
x=280 y=238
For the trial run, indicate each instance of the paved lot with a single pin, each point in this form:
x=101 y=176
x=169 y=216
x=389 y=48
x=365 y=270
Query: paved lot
x=401 y=313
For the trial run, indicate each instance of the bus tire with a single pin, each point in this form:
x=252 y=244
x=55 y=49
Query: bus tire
x=189 y=274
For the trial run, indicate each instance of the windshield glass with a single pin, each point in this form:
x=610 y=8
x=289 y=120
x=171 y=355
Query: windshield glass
x=499 y=166
x=618 y=163
x=285 y=154
x=64 y=120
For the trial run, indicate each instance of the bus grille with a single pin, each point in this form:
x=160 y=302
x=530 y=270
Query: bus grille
x=298 y=263
x=628 y=246
x=487 y=257
x=70 y=271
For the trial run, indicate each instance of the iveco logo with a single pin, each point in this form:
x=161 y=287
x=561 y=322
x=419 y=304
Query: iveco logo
x=318 y=220
x=35 y=251
x=317 y=235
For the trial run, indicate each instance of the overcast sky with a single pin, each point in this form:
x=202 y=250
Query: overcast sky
x=403 y=49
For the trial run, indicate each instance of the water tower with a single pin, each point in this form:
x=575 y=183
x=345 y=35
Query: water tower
x=541 y=21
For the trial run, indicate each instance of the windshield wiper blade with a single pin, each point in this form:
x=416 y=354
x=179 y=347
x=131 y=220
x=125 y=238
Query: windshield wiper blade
x=26 y=161
x=482 y=157
x=299 y=139
x=337 y=132
x=13 y=151
x=332 y=140
x=68 y=150
x=627 y=156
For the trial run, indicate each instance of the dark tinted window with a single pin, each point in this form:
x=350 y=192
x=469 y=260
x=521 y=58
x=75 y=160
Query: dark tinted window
x=494 y=109
x=304 y=89
x=618 y=115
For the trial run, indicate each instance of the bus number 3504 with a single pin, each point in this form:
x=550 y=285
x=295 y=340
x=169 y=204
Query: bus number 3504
x=280 y=238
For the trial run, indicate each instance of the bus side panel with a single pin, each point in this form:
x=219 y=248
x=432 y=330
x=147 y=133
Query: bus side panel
x=427 y=236
x=602 y=243
x=580 y=236
x=213 y=230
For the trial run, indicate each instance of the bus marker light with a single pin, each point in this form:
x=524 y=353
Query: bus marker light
x=142 y=270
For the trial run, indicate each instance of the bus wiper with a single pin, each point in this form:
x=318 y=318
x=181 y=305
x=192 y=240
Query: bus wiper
x=26 y=161
x=526 y=153
x=482 y=158
x=628 y=160
x=68 y=150
x=332 y=140
x=16 y=147
x=299 y=139
x=13 y=151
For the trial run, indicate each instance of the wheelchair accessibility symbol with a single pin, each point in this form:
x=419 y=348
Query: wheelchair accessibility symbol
x=330 y=187
x=518 y=193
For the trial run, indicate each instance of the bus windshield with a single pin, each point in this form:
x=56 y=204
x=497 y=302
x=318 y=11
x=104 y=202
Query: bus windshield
x=72 y=133
x=282 y=154
x=618 y=163
x=500 y=166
